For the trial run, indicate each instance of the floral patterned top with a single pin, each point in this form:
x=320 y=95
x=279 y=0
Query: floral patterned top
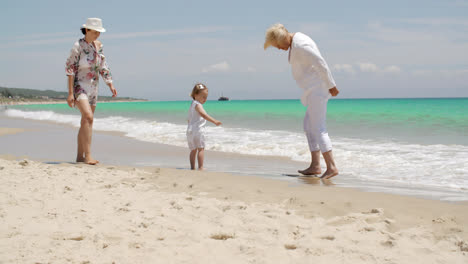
x=86 y=63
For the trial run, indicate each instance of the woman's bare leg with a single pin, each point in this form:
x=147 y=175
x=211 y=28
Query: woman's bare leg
x=86 y=132
x=80 y=153
x=332 y=171
x=314 y=167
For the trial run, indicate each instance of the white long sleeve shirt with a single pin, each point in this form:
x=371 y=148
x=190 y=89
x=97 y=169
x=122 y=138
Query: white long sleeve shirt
x=309 y=69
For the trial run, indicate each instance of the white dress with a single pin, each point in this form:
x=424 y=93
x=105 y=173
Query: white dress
x=196 y=127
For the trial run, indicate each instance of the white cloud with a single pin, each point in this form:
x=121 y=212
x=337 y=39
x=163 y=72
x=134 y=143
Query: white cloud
x=460 y=3
x=443 y=21
x=445 y=73
x=169 y=32
x=346 y=68
x=218 y=67
x=462 y=72
x=392 y=69
x=367 y=67
x=69 y=37
x=422 y=72
x=251 y=69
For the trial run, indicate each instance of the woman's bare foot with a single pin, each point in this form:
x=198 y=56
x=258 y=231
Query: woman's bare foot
x=80 y=159
x=311 y=171
x=90 y=161
x=330 y=173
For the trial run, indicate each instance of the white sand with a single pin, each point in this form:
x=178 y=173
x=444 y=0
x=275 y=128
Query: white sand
x=73 y=213
x=9 y=131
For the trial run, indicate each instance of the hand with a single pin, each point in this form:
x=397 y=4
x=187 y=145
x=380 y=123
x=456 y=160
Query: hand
x=113 y=90
x=217 y=123
x=334 y=91
x=71 y=100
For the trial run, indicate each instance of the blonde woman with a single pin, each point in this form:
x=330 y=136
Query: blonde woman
x=83 y=67
x=312 y=74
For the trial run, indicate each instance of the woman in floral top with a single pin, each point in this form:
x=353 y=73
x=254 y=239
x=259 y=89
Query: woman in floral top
x=83 y=67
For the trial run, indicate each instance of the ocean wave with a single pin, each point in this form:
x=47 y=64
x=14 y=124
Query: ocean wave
x=389 y=162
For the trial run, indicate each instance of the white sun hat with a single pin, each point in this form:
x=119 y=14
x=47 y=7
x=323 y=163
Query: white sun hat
x=94 y=24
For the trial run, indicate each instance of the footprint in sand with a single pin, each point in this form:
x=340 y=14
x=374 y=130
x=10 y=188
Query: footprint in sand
x=143 y=225
x=24 y=163
x=136 y=245
x=388 y=243
x=76 y=238
x=222 y=236
x=290 y=246
x=368 y=229
x=439 y=220
x=463 y=246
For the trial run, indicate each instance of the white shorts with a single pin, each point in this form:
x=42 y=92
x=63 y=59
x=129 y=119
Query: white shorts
x=195 y=139
x=83 y=96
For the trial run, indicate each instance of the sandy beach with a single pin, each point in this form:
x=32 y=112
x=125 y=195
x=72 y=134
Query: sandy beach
x=55 y=211
x=73 y=213
x=10 y=131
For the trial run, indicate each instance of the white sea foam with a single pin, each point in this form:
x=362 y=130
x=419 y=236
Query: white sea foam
x=387 y=162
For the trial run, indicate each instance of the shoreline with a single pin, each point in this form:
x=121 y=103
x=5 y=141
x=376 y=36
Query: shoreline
x=62 y=102
x=108 y=147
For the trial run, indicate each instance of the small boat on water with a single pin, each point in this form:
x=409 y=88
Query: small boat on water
x=223 y=98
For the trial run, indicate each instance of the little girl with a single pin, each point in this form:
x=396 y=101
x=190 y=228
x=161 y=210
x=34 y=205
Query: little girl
x=196 y=125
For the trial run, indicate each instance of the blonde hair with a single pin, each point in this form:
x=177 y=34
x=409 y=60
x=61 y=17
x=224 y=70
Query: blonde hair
x=274 y=35
x=197 y=89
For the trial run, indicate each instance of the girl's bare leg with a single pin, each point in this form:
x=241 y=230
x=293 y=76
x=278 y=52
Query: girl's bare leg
x=201 y=157
x=193 y=154
x=314 y=167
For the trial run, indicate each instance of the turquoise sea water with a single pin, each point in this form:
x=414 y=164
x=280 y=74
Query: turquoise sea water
x=403 y=144
x=425 y=121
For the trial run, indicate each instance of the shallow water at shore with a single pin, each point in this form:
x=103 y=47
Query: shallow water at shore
x=48 y=141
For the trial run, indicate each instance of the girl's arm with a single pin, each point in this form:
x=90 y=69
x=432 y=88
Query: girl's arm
x=202 y=112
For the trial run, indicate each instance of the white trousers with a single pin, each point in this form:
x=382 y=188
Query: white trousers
x=315 y=126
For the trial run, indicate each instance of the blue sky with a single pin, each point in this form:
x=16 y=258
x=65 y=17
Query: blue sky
x=159 y=49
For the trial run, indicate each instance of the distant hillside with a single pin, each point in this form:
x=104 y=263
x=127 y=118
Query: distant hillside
x=31 y=94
